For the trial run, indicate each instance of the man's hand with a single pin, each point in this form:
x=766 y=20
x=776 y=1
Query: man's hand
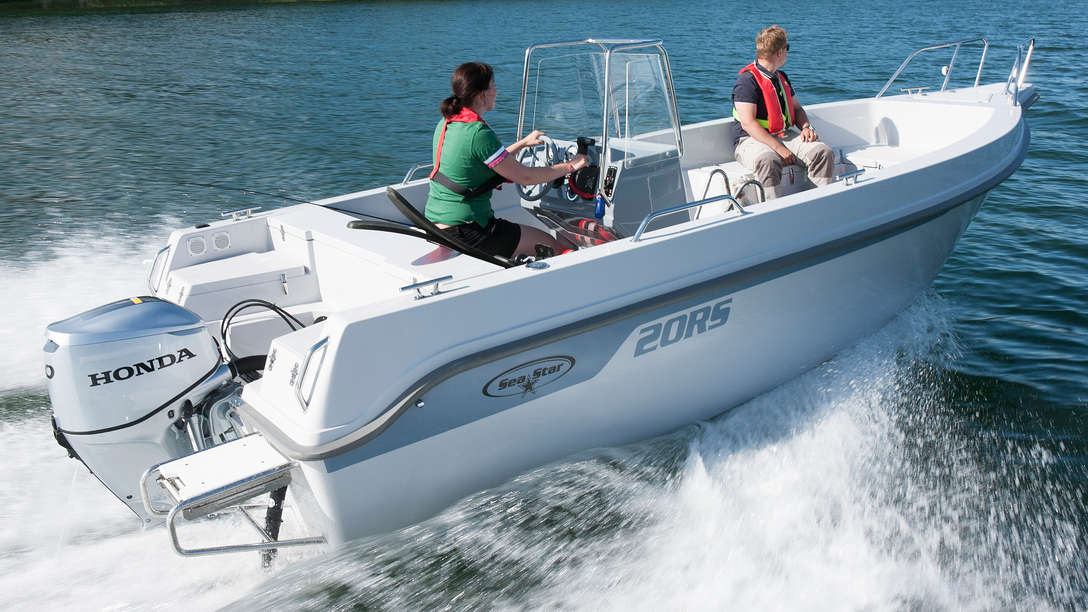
x=808 y=134
x=787 y=156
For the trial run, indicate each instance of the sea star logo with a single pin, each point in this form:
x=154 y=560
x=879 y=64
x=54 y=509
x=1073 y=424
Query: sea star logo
x=529 y=377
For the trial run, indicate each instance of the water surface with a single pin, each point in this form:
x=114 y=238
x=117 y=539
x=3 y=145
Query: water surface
x=940 y=464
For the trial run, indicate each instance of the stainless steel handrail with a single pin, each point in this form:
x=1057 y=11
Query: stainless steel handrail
x=1014 y=76
x=227 y=497
x=725 y=177
x=682 y=207
x=145 y=494
x=154 y=286
x=948 y=74
x=1019 y=71
x=762 y=191
x=237 y=492
x=1027 y=62
x=414 y=169
x=240 y=214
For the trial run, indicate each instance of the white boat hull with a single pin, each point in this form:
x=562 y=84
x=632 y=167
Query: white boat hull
x=821 y=308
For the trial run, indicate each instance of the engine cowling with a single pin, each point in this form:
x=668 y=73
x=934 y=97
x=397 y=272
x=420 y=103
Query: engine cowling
x=120 y=378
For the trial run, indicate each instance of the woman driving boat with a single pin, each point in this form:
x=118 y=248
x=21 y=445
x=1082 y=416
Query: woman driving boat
x=469 y=161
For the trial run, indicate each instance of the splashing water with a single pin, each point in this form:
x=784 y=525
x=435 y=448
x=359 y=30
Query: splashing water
x=80 y=272
x=65 y=541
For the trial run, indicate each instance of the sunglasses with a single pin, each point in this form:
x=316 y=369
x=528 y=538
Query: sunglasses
x=787 y=46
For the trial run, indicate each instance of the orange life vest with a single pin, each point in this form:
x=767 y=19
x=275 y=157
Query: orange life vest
x=778 y=119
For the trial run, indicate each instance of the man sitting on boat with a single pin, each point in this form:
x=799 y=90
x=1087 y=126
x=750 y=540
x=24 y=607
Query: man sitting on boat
x=469 y=162
x=771 y=128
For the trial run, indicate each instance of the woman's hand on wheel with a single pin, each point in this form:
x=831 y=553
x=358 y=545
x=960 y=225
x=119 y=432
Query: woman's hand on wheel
x=578 y=162
x=531 y=140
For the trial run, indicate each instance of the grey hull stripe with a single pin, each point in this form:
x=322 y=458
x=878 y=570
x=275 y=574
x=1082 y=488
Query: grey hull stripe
x=734 y=281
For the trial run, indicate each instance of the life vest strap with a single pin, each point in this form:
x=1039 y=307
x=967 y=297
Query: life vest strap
x=465 y=192
x=465 y=116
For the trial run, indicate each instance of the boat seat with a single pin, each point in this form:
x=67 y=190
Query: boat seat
x=870 y=157
x=209 y=288
x=708 y=182
x=391 y=260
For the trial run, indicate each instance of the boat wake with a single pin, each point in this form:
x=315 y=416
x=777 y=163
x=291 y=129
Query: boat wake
x=65 y=541
x=53 y=285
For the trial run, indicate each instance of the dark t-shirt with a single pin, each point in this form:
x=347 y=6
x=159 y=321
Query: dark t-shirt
x=747 y=90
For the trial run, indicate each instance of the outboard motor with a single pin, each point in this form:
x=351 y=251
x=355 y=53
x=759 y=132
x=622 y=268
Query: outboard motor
x=123 y=381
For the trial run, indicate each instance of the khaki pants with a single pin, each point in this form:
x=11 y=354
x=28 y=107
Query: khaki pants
x=816 y=157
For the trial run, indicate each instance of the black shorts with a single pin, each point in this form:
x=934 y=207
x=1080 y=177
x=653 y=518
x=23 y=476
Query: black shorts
x=500 y=237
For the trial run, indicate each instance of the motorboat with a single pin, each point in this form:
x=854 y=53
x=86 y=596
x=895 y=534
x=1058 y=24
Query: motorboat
x=343 y=359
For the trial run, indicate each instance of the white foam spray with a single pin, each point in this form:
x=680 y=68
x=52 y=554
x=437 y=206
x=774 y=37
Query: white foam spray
x=67 y=544
x=65 y=541
x=806 y=499
x=79 y=272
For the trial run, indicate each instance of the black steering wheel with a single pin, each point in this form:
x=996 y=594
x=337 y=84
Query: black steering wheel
x=537 y=156
x=583 y=182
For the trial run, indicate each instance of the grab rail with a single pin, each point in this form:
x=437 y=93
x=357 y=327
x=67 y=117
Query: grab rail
x=725 y=177
x=240 y=214
x=1019 y=71
x=156 y=271
x=675 y=209
x=227 y=498
x=951 y=64
x=762 y=191
x=414 y=169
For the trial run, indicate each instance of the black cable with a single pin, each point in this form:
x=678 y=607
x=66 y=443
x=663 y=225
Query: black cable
x=253 y=302
x=233 y=311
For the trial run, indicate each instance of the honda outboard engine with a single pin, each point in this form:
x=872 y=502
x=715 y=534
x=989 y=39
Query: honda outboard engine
x=123 y=380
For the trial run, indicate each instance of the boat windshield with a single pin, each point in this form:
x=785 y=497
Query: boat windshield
x=639 y=97
x=564 y=93
x=565 y=96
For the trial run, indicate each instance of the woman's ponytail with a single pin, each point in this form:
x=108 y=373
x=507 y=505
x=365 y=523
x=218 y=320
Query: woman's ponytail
x=450 y=106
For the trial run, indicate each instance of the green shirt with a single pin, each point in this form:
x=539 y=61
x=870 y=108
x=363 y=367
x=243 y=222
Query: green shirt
x=469 y=152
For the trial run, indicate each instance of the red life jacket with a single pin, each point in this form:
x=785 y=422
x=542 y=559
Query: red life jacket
x=466 y=115
x=778 y=119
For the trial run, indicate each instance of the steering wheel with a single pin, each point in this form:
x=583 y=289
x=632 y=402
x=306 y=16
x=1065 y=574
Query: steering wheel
x=537 y=156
